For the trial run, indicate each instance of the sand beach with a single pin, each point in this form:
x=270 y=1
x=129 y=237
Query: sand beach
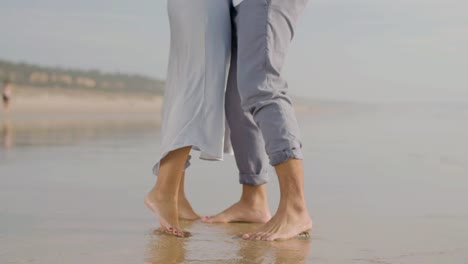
x=385 y=183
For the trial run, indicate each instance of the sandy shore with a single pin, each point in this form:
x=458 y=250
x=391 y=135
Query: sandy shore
x=27 y=100
x=32 y=102
x=383 y=186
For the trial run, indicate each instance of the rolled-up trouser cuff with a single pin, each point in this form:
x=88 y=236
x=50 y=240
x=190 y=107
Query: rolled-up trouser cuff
x=253 y=179
x=284 y=155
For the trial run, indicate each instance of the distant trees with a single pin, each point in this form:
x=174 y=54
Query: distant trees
x=49 y=77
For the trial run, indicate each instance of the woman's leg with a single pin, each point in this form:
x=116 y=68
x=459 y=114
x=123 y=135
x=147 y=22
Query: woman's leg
x=186 y=211
x=163 y=198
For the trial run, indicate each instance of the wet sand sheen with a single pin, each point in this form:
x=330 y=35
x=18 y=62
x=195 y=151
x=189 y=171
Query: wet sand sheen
x=385 y=184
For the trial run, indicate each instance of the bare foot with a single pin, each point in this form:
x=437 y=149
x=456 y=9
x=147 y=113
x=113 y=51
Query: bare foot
x=186 y=211
x=286 y=223
x=166 y=212
x=251 y=208
x=242 y=211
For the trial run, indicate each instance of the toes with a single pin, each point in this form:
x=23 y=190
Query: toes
x=304 y=235
x=207 y=219
x=259 y=235
x=215 y=219
x=246 y=236
x=178 y=233
x=271 y=237
x=265 y=236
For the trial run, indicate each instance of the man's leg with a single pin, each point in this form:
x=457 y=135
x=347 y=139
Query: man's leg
x=250 y=155
x=265 y=29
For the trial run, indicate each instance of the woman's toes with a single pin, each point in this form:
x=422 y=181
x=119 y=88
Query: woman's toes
x=246 y=236
x=178 y=233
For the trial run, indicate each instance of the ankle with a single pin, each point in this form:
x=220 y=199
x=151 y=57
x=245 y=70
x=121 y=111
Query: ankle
x=254 y=196
x=296 y=206
x=162 y=196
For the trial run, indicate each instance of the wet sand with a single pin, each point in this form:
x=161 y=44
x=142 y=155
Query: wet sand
x=384 y=184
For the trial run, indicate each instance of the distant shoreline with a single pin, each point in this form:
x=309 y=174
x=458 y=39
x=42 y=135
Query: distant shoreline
x=46 y=102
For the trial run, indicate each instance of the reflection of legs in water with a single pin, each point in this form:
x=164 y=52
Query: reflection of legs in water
x=7 y=134
x=250 y=252
x=165 y=249
x=162 y=200
x=294 y=251
x=6 y=103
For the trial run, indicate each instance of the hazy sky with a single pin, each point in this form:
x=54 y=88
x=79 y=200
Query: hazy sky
x=344 y=49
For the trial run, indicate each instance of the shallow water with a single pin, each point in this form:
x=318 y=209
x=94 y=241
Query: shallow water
x=384 y=184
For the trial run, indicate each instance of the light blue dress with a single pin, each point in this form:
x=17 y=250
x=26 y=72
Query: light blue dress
x=193 y=108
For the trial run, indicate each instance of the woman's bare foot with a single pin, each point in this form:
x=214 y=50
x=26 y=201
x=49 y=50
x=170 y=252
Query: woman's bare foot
x=166 y=212
x=251 y=208
x=288 y=222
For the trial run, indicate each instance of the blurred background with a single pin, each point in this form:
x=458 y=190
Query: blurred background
x=381 y=93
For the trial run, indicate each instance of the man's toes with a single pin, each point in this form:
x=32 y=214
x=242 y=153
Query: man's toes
x=265 y=236
x=271 y=237
x=260 y=235
x=246 y=236
x=256 y=236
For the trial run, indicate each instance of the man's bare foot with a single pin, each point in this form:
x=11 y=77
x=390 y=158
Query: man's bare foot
x=186 y=211
x=287 y=223
x=251 y=208
x=241 y=212
x=166 y=212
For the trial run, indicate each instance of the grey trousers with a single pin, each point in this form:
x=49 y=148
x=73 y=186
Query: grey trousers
x=246 y=138
x=263 y=30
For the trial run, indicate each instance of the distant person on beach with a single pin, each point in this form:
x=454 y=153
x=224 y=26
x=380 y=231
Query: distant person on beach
x=252 y=37
x=6 y=94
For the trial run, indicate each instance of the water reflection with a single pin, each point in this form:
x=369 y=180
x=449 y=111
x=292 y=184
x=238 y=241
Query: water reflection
x=166 y=249
x=221 y=244
x=22 y=133
x=7 y=135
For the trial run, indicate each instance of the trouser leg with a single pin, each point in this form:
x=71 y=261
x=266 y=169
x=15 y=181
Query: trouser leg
x=246 y=138
x=265 y=29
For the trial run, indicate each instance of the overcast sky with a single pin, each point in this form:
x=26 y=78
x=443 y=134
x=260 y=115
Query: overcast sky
x=359 y=50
